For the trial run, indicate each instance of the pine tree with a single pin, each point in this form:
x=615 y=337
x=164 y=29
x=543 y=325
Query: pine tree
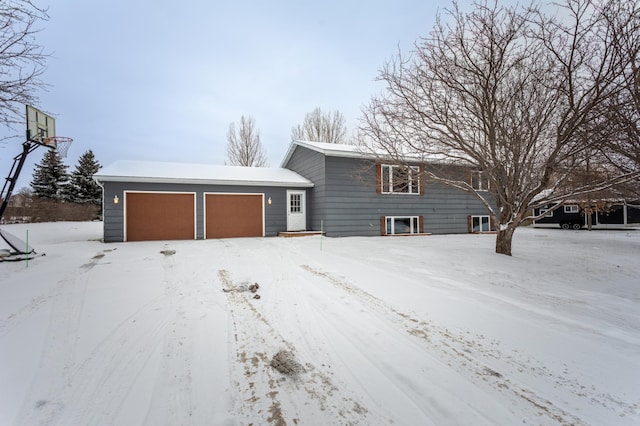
x=82 y=187
x=50 y=177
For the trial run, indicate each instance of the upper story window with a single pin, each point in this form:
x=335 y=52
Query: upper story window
x=396 y=179
x=479 y=181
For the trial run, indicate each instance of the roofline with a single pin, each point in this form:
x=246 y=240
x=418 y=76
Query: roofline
x=327 y=152
x=139 y=179
x=352 y=154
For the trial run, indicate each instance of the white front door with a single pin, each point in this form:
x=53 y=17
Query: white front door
x=296 y=211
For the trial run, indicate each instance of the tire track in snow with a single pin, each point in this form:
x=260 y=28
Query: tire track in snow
x=26 y=311
x=456 y=350
x=465 y=344
x=267 y=396
x=61 y=340
x=163 y=327
x=93 y=388
x=176 y=365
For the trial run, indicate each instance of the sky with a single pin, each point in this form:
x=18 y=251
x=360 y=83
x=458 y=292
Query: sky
x=162 y=81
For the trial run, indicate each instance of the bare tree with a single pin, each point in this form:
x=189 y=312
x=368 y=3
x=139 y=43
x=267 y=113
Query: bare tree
x=22 y=60
x=504 y=90
x=321 y=127
x=622 y=145
x=243 y=146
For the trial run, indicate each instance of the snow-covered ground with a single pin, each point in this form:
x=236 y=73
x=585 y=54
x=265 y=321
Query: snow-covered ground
x=406 y=330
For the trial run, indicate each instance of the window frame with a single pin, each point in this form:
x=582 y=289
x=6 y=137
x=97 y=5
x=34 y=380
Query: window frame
x=571 y=208
x=414 y=225
x=413 y=182
x=295 y=203
x=481 y=222
x=478 y=177
x=546 y=212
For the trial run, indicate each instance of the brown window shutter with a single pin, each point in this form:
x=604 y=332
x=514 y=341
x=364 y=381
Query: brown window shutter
x=421 y=224
x=383 y=225
x=378 y=178
x=470 y=223
x=422 y=181
x=492 y=223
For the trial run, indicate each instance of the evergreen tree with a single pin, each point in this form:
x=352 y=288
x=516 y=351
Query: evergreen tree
x=50 y=177
x=82 y=187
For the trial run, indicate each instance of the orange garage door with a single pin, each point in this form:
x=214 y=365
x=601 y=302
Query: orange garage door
x=160 y=216
x=234 y=215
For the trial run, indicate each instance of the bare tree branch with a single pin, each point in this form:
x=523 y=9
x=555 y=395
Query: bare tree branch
x=321 y=127
x=22 y=59
x=506 y=90
x=243 y=146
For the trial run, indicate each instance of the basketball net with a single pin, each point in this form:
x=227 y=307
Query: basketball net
x=60 y=143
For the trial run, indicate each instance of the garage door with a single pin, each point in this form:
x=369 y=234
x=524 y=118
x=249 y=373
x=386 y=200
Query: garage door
x=159 y=216
x=234 y=215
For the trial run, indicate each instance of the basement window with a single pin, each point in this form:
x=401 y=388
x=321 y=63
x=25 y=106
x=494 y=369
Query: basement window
x=398 y=225
x=479 y=224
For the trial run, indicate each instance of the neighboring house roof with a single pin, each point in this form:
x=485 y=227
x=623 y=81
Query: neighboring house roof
x=161 y=172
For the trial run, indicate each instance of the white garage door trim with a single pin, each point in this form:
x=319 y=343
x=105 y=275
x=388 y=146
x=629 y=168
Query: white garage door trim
x=124 y=208
x=204 y=202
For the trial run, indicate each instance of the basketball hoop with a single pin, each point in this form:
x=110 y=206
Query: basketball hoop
x=59 y=143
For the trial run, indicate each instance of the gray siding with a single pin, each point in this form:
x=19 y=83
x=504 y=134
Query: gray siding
x=348 y=205
x=311 y=164
x=275 y=214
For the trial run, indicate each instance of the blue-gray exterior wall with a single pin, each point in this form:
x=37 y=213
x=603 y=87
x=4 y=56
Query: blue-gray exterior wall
x=348 y=204
x=311 y=164
x=275 y=213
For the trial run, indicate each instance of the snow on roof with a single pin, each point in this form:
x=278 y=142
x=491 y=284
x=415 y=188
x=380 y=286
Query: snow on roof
x=163 y=172
x=329 y=149
x=355 y=151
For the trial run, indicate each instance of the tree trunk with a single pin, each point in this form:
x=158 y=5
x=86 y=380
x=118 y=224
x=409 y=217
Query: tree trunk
x=503 y=240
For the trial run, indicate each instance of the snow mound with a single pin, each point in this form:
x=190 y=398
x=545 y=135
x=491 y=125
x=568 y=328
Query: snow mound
x=285 y=363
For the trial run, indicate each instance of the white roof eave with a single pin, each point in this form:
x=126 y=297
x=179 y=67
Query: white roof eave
x=139 y=179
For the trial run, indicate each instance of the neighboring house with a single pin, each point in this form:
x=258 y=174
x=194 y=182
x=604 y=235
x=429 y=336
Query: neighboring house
x=329 y=187
x=611 y=214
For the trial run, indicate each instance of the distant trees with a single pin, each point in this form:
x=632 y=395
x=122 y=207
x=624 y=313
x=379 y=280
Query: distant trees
x=318 y=126
x=513 y=93
x=22 y=60
x=57 y=195
x=243 y=144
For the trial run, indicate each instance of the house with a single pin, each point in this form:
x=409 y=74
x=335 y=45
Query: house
x=330 y=187
x=605 y=214
x=171 y=201
x=355 y=195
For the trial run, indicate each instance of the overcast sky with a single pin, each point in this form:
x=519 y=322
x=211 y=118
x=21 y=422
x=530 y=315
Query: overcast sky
x=162 y=81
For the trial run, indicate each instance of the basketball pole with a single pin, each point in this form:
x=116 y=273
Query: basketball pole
x=18 y=162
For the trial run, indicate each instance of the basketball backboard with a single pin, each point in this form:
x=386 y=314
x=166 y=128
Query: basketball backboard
x=39 y=125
